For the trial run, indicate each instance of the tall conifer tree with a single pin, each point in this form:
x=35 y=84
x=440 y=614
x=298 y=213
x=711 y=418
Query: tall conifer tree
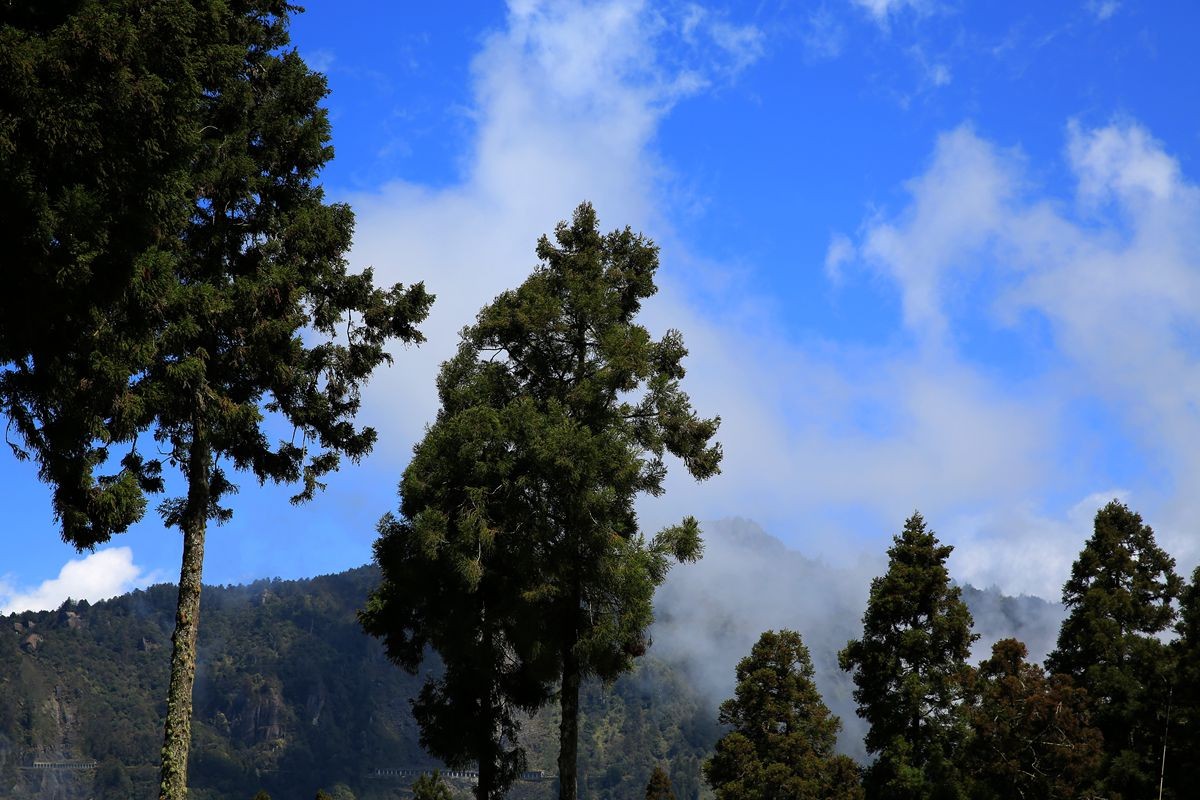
x=557 y=412
x=910 y=669
x=183 y=311
x=782 y=743
x=1120 y=598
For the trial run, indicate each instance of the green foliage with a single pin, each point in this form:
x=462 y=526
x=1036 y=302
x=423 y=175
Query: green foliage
x=782 y=742
x=910 y=670
x=98 y=131
x=1120 y=597
x=431 y=787
x=185 y=301
x=1031 y=736
x=261 y=795
x=659 y=785
x=517 y=554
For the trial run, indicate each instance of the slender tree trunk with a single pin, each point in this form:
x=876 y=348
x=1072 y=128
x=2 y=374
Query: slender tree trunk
x=487 y=748
x=568 y=729
x=486 y=789
x=178 y=733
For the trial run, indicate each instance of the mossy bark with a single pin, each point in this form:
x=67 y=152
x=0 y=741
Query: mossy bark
x=177 y=735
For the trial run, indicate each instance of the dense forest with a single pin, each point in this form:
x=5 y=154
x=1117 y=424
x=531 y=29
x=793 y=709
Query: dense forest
x=183 y=317
x=292 y=696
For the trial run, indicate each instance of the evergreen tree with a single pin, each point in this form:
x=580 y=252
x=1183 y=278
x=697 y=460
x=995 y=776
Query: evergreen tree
x=910 y=670
x=431 y=787
x=455 y=579
x=521 y=495
x=98 y=110
x=1031 y=736
x=659 y=786
x=1119 y=598
x=184 y=311
x=782 y=743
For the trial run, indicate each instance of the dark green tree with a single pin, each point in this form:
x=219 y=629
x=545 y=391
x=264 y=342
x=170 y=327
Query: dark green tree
x=261 y=794
x=98 y=136
x=1181 y=769
x=431 y=787
x=1031 y=735
x=557 y=412
x=782 y=743
x=659 y=785
x=1120 y=598
x=195 y=312
x=456 y=579
x=910 y=670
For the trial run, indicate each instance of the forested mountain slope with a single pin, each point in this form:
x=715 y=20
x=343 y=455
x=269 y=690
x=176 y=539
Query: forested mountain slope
x=292 y=696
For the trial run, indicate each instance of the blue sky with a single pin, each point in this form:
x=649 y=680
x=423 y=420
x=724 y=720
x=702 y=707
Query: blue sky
x=935 y=255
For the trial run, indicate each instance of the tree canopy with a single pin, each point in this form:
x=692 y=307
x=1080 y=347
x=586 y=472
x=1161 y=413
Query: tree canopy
x=1120 y=598
x=910 y=670
x=782 y=743
x=1031 y=735
x=194 y=310
x=557 y=412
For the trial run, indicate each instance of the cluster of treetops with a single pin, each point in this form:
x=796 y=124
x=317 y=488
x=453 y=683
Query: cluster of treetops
x=181 y=290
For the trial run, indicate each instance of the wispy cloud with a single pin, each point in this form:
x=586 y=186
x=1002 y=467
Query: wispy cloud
x=882 y=11
x=1114 y=272
x=822 y=34
x=1103 y=9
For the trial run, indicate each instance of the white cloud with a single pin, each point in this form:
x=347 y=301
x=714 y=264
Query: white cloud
x=1114 y=274
x=320 y=60
x=957 y=205
x=97 y=576
x=1022 y=549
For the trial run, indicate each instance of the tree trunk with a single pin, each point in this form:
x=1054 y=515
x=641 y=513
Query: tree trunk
x=178 y=733
x=568 y=729
x=486 y=789
x=487 y=747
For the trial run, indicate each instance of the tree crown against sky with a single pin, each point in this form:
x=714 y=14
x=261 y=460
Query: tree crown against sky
x=910 y=671
x=223 y=301
x=783 y=738
x=1031 y=734
x=557 y=412
x=1120 y=598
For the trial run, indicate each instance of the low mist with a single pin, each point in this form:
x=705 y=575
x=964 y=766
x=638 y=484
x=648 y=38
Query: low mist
x=709 y=614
